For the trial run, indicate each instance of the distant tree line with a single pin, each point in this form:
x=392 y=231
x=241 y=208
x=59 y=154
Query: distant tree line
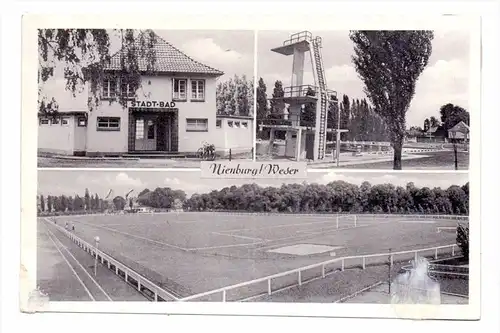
x=78 y=204
x=356 y=115
x=334 y=197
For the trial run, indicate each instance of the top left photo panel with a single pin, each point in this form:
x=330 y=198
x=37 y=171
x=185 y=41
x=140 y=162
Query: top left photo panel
x=144 y=98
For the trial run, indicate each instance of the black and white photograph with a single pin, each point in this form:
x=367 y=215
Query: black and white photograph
x=362 y=238
x=147 y=98
x=372 y=99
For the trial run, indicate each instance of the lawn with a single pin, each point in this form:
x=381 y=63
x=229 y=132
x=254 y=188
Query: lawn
x=443 y=160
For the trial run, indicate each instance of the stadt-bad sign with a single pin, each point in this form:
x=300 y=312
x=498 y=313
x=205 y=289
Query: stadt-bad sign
x=152 y=104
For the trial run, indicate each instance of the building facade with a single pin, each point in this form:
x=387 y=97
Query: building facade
x=172 y=111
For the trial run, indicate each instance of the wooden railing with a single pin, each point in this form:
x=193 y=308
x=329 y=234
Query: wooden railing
x=143 y=285
x=300 y=272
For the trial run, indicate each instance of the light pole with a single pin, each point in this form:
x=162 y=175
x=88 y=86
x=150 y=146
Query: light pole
x=96 y=239
x=337 y=148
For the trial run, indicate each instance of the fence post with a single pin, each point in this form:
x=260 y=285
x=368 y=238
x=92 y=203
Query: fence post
x=300 y=278
x=126 y=276
x=436 y=253
x=453 y=251
x=138 y=284
x=156 y=296
x=224 y=295
x=392 y=260
x=323 y=271
x=269 y=286
x=230 y=154
x=416 y=256
x=364 y=262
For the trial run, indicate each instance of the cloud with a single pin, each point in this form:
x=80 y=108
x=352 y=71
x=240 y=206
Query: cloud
x=207 y=50
x=172 y=181
x=420 y=180
x=122 y=179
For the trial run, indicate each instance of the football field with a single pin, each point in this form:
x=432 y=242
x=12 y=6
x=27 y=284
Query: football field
x=189 y=253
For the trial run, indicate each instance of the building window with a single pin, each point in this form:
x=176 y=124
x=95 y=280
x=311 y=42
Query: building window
x=180 y=89
x=109 y=88
x=139 y=129
x=126 y=90
x=218 y=123
x=64 y=121
x=108 y=123
x=151 y=130
x=44 y=121
x=196 y=125
x=244 y=124
x=230 y=123
x=82 y=122
x=56 y=120
x=198 y=90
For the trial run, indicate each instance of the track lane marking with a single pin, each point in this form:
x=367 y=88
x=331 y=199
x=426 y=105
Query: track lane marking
x=71 y=267
x=81 y=266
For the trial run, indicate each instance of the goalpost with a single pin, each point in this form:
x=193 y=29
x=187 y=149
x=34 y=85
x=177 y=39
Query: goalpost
x=353 y=217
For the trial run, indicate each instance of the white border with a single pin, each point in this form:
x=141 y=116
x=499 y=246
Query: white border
x=489 y=216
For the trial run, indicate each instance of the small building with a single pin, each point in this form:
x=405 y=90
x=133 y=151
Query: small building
x=411 y=135
x=173 y=112
x=234 y=134
x=435 y=134
x=459 y=133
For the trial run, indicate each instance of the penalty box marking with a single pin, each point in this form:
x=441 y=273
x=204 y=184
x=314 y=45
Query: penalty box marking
x=237 y=236
x=280 y=226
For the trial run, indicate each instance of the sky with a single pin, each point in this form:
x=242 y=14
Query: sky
x=100 y=182
x=445 y=79
x=231 y=51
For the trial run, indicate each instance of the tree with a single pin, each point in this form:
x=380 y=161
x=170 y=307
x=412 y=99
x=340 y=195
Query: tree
x=261 y=100
x=42 y=203
x=452 y=115
x=49 y=203
x=87 y=200
x=119 y=203
x=463 y=240
x=81 y=55
x=389 y=64
x=434 y=122
x=276 y=105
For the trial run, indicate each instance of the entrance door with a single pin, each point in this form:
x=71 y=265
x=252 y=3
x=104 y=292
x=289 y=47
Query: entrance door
x=310 y=146
x=162 y=133
x=145 y=134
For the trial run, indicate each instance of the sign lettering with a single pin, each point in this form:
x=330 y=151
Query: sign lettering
x=152 y=104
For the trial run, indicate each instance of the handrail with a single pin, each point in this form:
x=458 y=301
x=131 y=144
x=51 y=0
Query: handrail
x=299 y=270
x=141 y=280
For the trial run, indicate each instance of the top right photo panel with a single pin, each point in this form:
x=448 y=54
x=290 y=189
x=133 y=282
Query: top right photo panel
x=373 y=99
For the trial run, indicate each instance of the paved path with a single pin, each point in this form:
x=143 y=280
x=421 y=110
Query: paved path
x=66 y=273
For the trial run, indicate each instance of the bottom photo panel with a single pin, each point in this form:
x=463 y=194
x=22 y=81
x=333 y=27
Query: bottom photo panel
x=336 y=237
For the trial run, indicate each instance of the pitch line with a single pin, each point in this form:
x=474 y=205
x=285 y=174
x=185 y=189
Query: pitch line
x=237 y=236
x=281 y=226
x=71 y=267
x=81 y=266
x=135 y=236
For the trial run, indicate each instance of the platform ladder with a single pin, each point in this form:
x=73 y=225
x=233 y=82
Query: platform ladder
x=320 y=74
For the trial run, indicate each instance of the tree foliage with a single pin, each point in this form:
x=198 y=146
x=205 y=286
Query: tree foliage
x=452 y=115
x=81 y=55
x=334 y=197
x=389 y=63
x=463 y=239
x=235 y=96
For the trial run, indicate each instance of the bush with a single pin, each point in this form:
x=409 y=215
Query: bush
x=463 y=240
